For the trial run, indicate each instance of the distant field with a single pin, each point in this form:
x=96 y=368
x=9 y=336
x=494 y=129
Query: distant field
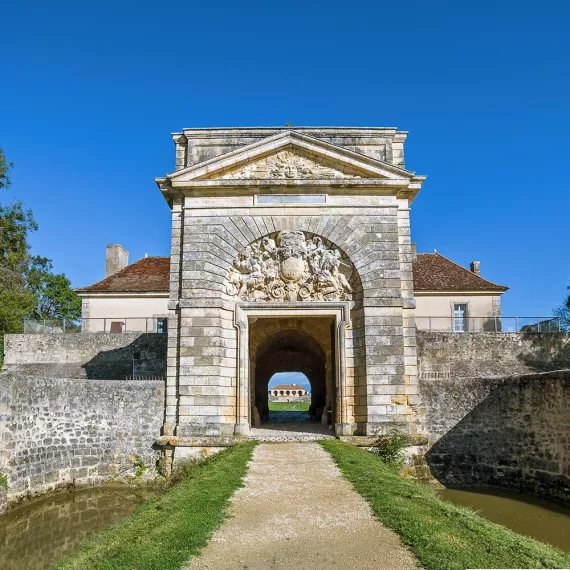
x=289 y=406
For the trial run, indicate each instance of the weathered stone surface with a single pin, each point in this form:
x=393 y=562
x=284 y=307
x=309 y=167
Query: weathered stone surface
x=102 y=356
x=451 y=355
x=56 y=432
x=290 y=266
x=289 y=216
x=197 y=145
x=510 y=431
x=288 y=164
x=488 y=427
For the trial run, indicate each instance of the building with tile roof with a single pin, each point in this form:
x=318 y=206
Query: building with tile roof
x=448 y=296
x=130 y=298
x=288 y=393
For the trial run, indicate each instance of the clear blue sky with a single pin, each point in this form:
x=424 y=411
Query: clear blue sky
x=91 y=91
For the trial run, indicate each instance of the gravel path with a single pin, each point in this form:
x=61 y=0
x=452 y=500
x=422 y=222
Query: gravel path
x=297 y=512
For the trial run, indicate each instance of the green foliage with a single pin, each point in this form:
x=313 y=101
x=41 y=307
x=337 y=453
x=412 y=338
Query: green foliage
x=5 y=168
x=28 y=287
x=139 y=464
x=55 y=299
x=289 y=406
x=390 y=449
x=443 y=536
x=3 y=481
x=15 y=305
x=174 y=526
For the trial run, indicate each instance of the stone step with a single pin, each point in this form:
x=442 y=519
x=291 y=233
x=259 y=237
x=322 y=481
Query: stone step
x=287 y=436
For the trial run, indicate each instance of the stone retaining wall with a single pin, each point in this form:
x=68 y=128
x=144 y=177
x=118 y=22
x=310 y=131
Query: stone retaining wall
x=56 y=432
x=503 y=431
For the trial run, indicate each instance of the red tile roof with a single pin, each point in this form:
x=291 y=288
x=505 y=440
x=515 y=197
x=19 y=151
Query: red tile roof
x=434 y=272
x=287 y=387
x=147 y=275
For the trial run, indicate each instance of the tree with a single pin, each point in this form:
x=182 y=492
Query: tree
x=562 y=311
x=16 y=301
x=55 y=299
x=5 y=168
x=28 y=288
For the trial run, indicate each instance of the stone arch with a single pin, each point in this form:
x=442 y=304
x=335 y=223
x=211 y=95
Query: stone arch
x=355 y=236
x=369 y=238
x=292 y=345
x=380 y=343
x=291 y=350
x=355 y=343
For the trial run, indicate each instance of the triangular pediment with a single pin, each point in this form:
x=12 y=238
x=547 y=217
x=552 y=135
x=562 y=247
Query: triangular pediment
x=289 y=156
x=290 y=163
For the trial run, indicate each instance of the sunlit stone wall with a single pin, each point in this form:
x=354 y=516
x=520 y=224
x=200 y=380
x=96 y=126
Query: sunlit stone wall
x=56 y=432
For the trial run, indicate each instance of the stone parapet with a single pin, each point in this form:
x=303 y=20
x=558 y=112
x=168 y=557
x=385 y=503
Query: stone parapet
x=474 y=355
x=103 y=356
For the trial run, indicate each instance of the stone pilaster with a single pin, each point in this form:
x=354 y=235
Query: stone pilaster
x=410 y=398
x=173 y=351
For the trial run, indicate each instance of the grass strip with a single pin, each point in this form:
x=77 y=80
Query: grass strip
x=168 y=530
x=443 y=536
x=289 y=406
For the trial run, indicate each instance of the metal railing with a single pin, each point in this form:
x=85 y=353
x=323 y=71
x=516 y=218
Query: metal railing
x=96 y=324
x=432 y=324
x=489 y=324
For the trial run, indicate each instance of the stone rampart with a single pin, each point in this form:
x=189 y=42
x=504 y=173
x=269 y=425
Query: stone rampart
x=58 y=432
x=491 y=418
x=471 y=355
x=510 y=432
x=104 y=356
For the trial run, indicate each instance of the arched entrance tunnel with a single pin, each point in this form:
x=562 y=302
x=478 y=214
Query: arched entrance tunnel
x=302 y=345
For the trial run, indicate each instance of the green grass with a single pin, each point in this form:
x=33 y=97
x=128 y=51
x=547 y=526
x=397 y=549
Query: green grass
x=289 y=406
x=443 y=536
x=168 y=530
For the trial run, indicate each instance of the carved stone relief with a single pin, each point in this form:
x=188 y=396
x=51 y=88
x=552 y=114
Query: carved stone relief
x=290 y=267
x=290 y=165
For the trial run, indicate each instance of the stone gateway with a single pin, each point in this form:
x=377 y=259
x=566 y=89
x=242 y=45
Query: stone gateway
x=290 y=252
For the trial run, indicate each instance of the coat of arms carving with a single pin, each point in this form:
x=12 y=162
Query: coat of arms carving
x=290 y=267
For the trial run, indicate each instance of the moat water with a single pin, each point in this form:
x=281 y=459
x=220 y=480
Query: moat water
x=538 y=518
x=44 y=532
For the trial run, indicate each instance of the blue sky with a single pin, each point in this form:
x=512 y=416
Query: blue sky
x=91 y=92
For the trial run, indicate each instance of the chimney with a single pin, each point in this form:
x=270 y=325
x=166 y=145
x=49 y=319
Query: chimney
x=475 y=267
x=117 y=258
x=414 y=252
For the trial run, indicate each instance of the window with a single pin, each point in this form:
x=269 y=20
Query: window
x=459 y=318
x=161 y=326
